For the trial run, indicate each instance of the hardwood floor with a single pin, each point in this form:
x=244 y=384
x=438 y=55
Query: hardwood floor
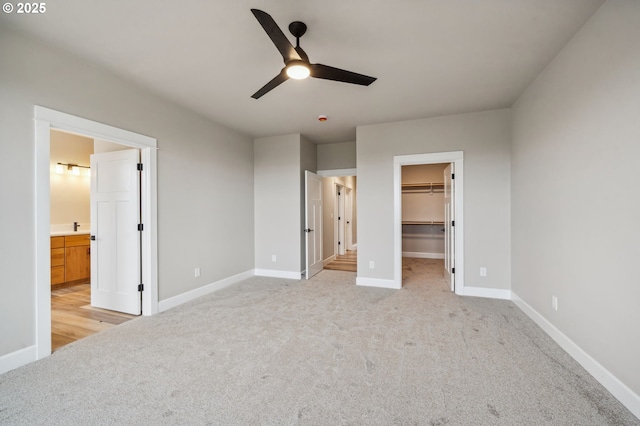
x=347 y=262
x=73 y=317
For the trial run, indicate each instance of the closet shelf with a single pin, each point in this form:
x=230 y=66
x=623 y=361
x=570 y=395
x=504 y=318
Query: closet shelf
x=423 y=187
x=422 y=222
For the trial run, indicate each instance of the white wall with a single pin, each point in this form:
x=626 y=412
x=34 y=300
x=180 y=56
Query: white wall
x=308 y=161
x=575 y=186
x=279 y=166
x=484 y=138
x=104 y=146
x=337 y=156
x=70 y=194
x=277 y=204
x=205 y=176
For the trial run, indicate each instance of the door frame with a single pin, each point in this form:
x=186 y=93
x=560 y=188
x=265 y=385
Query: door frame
x=45 y=121
x=456 y=157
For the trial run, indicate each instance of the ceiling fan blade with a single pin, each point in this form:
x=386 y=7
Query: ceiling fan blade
x=276 y=35
x=302 y=53
x=275 y=82
x=330 y=73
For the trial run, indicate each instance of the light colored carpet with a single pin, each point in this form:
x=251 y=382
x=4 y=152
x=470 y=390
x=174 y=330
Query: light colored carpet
x=324 y=351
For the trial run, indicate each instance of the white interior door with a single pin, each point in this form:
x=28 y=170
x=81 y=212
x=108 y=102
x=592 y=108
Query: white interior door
x=349 y=218
x=341 y=220
x=449 y=228
x=313 y=223
x=115 y=245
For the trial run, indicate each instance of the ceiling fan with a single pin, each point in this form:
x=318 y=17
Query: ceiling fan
x=297 y=65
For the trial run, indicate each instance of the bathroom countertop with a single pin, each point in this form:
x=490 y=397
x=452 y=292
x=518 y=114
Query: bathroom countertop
x=64 y=229
x=66 y=233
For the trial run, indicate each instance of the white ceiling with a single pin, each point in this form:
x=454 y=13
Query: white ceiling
x=431 y=57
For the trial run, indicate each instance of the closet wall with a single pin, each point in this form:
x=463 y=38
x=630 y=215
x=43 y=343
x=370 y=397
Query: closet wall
x=423 y=211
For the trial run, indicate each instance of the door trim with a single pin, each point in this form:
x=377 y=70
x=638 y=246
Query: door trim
x=45 y=121
x=456 y=157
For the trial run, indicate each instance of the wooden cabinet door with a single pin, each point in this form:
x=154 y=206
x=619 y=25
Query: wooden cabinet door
x=57 y=257
x=77 y=263
x=57 y=274
x=57 y=242
x=76 y=240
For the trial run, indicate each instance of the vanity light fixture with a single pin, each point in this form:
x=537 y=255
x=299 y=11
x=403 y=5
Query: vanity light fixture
x=73 y=169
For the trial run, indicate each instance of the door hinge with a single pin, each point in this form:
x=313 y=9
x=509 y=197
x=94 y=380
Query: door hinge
x=453 y=270
x=339 y=217
x=140 y=287
x=453 y=223
x=140 y=166
x=140 y=227
x=339 y=243
x=453 y=175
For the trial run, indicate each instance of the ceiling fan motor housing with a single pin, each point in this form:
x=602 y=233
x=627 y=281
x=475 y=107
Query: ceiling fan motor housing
x=298 y=29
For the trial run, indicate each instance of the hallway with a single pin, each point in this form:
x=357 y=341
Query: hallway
x=348 y=262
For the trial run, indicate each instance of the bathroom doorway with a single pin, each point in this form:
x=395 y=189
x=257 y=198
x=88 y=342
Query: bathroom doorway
x=45 y=121
x=73 y=315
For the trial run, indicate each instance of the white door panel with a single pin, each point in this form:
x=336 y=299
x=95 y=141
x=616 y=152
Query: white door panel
x=313 y=223
x=341 y=221
x=449 y=228
x=115 y=215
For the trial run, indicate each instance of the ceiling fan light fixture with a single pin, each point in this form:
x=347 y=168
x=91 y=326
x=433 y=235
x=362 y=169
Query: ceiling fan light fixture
x=298 y=70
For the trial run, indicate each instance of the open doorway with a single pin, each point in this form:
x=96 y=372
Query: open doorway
x=340 y=223
x=73 y=315
x=426 y=244
x=431 y=226
x=45 y=121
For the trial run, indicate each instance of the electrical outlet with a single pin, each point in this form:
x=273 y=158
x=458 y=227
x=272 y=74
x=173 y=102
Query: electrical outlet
x=483 y=272
x=273 y=258
x=196 y=272
x=554 y=303
x=372 y=264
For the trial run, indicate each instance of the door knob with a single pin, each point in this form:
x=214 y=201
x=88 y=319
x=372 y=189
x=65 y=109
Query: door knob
x=92 y=238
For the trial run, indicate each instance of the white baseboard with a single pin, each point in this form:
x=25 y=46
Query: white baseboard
x=18 y=358
x=377 y=282
x=329 y=260
x=278 y=274
x=172 y=302
x=626 y=396
x=491 y=293
x=422 y=255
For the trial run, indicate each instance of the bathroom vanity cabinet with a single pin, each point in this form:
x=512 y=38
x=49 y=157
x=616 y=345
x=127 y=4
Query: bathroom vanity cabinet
x=70 y=258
